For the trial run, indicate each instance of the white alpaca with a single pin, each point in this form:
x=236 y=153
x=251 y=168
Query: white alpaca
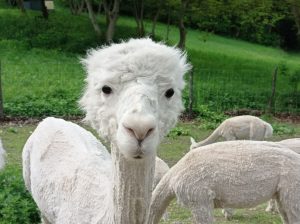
x=132 y=98
x=2 y=156
x=293 y=144
x=238 y=128
x=235 y=174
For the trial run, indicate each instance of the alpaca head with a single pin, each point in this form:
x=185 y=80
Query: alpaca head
x=133 y=93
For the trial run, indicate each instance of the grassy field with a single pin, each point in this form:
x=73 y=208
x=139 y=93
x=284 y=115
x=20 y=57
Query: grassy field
x=42 y=75
x=171 y=150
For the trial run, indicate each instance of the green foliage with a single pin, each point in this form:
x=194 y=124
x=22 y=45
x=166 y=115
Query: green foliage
x=178 y=131
x=228 y=74
x=16 y=204
x=208 y=118
x=60 y=31
x=280 y=129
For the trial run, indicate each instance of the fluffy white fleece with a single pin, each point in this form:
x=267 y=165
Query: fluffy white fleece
x=235 y=174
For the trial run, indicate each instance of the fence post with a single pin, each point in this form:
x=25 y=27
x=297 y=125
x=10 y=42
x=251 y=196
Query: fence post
x=191 y=89
x=271 y=108
x=1 y=96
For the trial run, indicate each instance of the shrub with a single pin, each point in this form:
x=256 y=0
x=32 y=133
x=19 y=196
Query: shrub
x=16 y=204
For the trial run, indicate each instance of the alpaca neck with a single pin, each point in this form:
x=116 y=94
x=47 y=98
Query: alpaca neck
x=132 y=187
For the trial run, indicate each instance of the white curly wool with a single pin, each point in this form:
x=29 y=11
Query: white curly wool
x=2 y=156
x=132 y=98
x=235 y=174
x=238 y=128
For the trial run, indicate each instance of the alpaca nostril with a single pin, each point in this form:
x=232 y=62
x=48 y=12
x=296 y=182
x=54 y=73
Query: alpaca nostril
x=139 y=132
x=129 y=130
x=149 y=132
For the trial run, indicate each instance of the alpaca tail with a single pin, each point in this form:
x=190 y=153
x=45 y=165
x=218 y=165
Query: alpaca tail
x=268 y=130
x=161 y=198
x=210 y=139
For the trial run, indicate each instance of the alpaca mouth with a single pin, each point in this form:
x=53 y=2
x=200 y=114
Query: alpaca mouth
x=139 y=154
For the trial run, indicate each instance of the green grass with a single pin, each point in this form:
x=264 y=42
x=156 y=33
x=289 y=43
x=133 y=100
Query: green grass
x=42 y=75
x=172 y=148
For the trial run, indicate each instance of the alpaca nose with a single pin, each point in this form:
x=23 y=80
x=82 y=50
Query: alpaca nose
x=139 y=126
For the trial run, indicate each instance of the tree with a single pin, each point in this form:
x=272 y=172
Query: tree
x=139 y=16
x=76 y=6
x=295 y=8
x=44 y=9
x=21 y=5
x=93 y=18
x=111 y=8
x=158 y=5
x=181 y=27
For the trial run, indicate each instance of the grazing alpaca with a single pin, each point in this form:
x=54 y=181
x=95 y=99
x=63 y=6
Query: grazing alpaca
x=235 y=174
x=132 y=99
x=2 y=156
x=238 y=128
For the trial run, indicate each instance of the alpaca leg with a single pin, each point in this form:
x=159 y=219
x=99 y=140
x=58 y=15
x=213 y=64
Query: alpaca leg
x=288 y=206
x=271 y=206
x=228 y=213
x=203 y=212
x=282 y=213
x=229 y=136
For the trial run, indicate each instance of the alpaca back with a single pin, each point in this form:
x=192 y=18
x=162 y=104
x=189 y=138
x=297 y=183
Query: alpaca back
x=235 y=172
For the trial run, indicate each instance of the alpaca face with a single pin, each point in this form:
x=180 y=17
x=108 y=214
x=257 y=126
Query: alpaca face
x=133 y=96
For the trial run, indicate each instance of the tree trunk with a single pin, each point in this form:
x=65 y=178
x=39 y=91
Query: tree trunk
x=93 y=18
x=139 y=17
x=111 y=29
x=182 y=30
x=271 y=108
x=296 y=13
x=44 y=9
x=168 y=24
x=76 y=7
x=1 y=95
x=155 y=18
x=21 y=5
x=112 y=17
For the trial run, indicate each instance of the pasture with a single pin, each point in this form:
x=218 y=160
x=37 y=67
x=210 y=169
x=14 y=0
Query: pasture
x=18 y=206
x=42 y=75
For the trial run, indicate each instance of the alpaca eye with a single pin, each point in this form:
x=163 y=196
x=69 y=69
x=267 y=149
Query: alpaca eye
x=106 y=90
x=169 y=93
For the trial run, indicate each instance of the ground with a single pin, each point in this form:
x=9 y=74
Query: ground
x=173 y=147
